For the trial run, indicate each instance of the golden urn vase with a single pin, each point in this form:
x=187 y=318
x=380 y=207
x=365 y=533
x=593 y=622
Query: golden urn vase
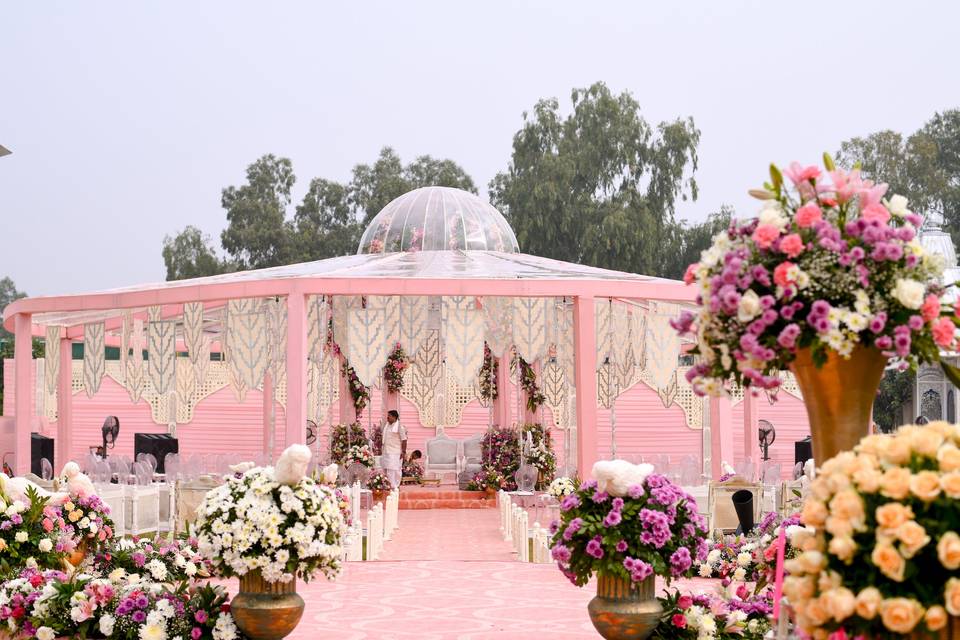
x=624 y=610
x=266 y=610
x=839 y=397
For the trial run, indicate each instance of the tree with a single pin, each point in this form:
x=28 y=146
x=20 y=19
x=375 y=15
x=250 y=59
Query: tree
x=684 y=242
x=598 y=186
x=325 y=223
x=374 y=186
x=924 y=167
x=896 y=389
x=258 y=234
x=8 y=293
x=190 y=255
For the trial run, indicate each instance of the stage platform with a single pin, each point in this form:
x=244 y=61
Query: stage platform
x=443 y=497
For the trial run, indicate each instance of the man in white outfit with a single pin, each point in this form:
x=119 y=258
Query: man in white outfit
x=394 y=448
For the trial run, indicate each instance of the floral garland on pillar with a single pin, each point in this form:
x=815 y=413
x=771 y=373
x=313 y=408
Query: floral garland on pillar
x=528 y=382
x=359 y=393
x=488 y=376
x=393 y=370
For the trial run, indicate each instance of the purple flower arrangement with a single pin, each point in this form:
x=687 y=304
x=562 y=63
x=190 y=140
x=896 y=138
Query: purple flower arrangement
x=829 y=265
x=632 y=527
x=501 y=451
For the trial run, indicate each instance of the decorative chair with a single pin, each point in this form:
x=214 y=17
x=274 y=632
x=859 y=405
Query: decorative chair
x=472 y=459
x=722 y=514
x=441 y=456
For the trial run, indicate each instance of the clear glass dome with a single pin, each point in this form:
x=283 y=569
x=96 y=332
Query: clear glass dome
x=438 y=219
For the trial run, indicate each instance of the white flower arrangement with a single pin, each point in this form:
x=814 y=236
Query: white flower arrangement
x=561 y=488
x=253 y=522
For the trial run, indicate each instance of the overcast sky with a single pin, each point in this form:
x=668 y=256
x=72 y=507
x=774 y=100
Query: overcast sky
x=126 y=120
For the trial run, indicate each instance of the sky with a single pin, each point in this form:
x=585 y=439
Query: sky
x=126 y=119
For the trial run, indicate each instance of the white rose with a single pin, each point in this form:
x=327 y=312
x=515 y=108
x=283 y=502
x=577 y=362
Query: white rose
x=750 y=306
x=898 y=205
x=45 y=633
x=21 y=536
x=909 y=293
x=106 y=624
x=740 y=574
x=772 y=214
x=45 y=545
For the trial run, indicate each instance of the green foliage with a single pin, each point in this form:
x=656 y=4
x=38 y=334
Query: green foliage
x=598 y=186
x=189 y=254
x=683 y=242
x=896 y=389
x=924 y=166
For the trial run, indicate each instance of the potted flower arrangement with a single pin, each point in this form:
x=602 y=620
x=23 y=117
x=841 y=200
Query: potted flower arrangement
x=884 y=555
x=394 y=369
x=562 y=487
x=172 y=559
x=488 y=480
x=413 y=470
x=269 y=527
x=720 y=616
x=501 y=450
x=380 y=485
x=828 y=281
x=627 y=526
x=541 y=453
x=86 y=523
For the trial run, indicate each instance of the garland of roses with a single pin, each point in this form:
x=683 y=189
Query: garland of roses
x=393 y=369
x=359 y=393
x=488 y=375
x=528 y=382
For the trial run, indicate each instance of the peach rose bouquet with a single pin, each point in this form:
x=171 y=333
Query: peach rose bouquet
x=880 y=555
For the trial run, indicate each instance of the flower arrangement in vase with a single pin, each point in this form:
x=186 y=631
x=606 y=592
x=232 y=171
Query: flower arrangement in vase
x=501 y=450
x=379 y=484
x=541 y=453
x=829 y=273
x=413 y=470
x=342 y=438
x=394 y=369
x=627 y=525
x=172 y=559
x=487 y=376
x=560 y=488
x=360 y=454
x=883 y=556
x=86 y=521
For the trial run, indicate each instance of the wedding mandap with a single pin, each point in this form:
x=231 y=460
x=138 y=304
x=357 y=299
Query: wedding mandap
x=249 y=362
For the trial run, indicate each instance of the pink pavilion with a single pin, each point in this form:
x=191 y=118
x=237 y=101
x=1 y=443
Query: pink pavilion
x=237 y=363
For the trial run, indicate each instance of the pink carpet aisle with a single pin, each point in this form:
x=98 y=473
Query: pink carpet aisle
x=446 y=574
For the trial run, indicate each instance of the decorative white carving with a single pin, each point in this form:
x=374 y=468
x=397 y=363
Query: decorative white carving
x=368 y=344
x=246 y=345
x=424 y=378
x=530 y=327
x=663 y=351
x=498 y=321
x=317 y=317
x=341 y=307
x=93 y=357
x=162 y=355
x=391 y=316
x=134 y=378
x=51 y=356
x=194 y=339
x=602 y=318
x=413 y=322
x=463 y=340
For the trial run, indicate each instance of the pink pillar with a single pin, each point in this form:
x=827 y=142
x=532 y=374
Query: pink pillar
x=721 y=434
x=268 y=431
x=64 y=406
x=585 y=355
x=530 y=417
x=348 y=413
x=296 y=413
x=501 y=406
x=389 y=399
x=22 y=369
x=751 y=429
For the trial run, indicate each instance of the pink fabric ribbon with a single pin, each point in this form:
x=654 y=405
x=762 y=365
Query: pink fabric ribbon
x=778 y=580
